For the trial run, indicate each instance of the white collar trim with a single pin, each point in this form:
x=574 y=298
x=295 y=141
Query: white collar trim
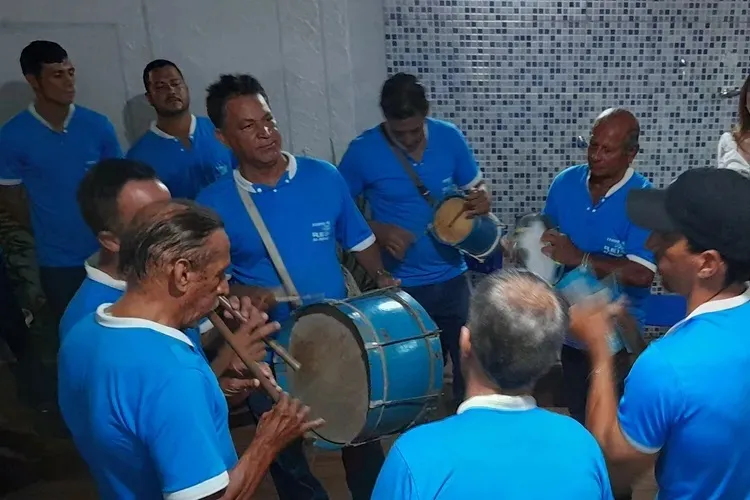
x=498 y=402
x=625 y=178
x=105 y=319
x=159 y=132
x=715 y=306
x=100 y=276
x=291 y=169
x=47 y=124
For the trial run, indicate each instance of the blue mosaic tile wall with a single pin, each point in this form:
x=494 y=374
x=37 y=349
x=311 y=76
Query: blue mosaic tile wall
x=523 y=79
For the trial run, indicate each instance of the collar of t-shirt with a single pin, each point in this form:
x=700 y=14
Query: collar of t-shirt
x=291 y=171
x=160 y=133
x=625 y=178
x=498 y=402
x=104 y=318
x=96 y=274
x=47 y=124
x=715 y=306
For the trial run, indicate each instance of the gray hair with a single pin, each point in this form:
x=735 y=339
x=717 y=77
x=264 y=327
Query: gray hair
x=517 y=324
x=633 y=138
x=164 y=232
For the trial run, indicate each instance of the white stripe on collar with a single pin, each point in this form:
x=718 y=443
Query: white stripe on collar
x=159 y=132
x=96 y=274
x=498 y=402
x=625 y=178
x=715 y=306
x=105 y=319
x=245 y=184
x=44 y=122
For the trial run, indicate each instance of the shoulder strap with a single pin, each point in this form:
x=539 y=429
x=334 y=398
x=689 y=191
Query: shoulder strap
x=273 y=252
x=408 y=168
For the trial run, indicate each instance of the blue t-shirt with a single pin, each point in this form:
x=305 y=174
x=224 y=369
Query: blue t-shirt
x=601 y=229
x=100 y=288
x=306 y=213
x=688 y=396
x=370 y=167
x=51 y=165
x=144 y=409
x=496 y=447
x=184 y=170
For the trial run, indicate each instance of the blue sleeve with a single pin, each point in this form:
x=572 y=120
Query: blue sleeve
x=10 y=161
x=651 y=402
x=110 y=145
x=352 y=231
x=181 y=437
x=602 y=474
x=351 y=170
x=550 y=204
x=467 y=173
x=635 y=247
x=395 y=480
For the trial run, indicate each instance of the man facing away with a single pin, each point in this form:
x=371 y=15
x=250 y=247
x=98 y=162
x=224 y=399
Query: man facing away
x=181 y=147
x=44 y=153
x=686 y=399
x=142 y=404
x=307 y=209
x=500 y=445
x=431 y=272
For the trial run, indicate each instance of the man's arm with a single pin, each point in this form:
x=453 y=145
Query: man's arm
x=630 y=273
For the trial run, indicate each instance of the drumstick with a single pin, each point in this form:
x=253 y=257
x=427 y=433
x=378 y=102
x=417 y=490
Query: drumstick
x=252 y=365
x=458 y=215
x=275 y=346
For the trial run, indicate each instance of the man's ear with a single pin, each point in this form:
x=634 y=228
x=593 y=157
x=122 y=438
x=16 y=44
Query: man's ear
x=109 y=241
x=181 y=275
x=464 y=342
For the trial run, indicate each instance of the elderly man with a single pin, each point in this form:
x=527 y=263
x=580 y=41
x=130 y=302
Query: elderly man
x=686 y=399
x=586 y=204
x=140 y=400
x=182 y=148
x=500 y=440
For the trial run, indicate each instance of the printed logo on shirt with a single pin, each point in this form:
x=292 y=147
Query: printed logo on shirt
x=321 y=231
x=221 y=168
x=614 y=247
x=448 y=185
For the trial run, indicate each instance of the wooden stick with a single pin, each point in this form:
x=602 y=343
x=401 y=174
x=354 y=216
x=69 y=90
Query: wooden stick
x=252 y=365
x=458 y=215
x=272 y=344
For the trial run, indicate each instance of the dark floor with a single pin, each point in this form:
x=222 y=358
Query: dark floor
x=49 y=468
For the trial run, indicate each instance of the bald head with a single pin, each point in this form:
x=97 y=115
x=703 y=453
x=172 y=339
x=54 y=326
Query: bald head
x=613 y=146
x=624 y=123
x=516 y=328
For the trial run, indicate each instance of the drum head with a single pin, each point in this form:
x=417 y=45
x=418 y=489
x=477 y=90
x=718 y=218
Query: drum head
x=446 y=227
x=528 y=248
x=334 y=378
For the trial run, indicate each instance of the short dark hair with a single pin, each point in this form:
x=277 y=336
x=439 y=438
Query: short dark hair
x=402 y=97
x=158 y=64
x=517 y=324
x=100 y=187
x=226 y=88
x=165 y=232
x=38 y=53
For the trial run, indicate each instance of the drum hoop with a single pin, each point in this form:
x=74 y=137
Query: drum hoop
x=482 y=257
x=433 y=231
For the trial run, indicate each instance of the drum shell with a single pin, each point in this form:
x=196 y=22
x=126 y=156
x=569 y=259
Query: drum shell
x=482 y=240
x=403 y=357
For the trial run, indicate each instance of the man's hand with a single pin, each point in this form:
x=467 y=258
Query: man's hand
x=285 y=422
x=260 y=298
x=593 y=319
x=477 y=203
x=393 y=238
x=238 y=382
x=250 y=335
x=560 y=249
x=385 y=280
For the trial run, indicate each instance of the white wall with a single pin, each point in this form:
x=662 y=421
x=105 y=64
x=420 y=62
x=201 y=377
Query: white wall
x=321 y=61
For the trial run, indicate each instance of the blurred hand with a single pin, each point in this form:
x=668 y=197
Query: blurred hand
x=395 y=239
x=285 y=422
x=560 y=249
x=593 y=319
x=386 y=280
x=249 y=335
x=477 y=203
x=260 y=298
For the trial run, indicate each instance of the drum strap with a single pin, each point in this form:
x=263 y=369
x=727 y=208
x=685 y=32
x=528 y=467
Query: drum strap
x=273 y=252
x=408 y=168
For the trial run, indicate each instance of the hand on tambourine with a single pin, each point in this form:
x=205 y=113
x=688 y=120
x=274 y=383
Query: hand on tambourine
x=560 y=249
x=593 y=319
x=477 y=203
x=285 y=422
x=260 y=298
x=395 y=239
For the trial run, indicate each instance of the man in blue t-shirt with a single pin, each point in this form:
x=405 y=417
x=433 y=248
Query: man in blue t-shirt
x=143 y=407
x=182 y=148
x=430 y=271
x=44 y=153
x=686 y=399
x=306 y=208
x=500 y=445
x=586 y=206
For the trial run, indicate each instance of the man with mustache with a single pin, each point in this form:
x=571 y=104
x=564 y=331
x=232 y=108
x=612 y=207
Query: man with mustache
x=180 y=146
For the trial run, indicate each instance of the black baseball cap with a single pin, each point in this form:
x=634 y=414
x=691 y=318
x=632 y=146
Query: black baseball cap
x=709 y=206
